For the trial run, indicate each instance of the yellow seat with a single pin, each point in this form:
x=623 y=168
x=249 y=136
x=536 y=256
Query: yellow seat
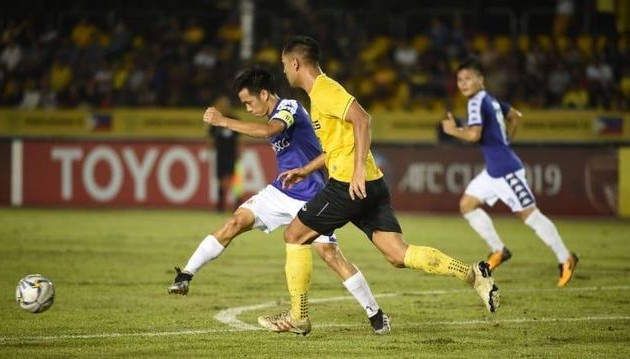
x=480 y=42
x=421 y=43
x=544 y=41
x=562 y=43
x=524 y=43
x=585 y=44
x=503 y=44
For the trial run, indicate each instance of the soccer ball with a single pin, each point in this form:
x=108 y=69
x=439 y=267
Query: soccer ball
x=35 y=293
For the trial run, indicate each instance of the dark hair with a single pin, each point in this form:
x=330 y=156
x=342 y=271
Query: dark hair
x=471 y=64
x=255 y=80
x=306 y=47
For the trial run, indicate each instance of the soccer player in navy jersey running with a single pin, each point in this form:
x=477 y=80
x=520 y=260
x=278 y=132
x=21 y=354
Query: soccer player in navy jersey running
x=493 y=124
x=289 y=130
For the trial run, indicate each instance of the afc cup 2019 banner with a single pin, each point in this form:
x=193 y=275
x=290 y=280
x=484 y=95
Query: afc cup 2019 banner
x=565 y=180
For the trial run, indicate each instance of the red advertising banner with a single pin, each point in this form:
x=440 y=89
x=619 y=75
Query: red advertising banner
x=5 y=172
x=565 y=180
x=92 y=173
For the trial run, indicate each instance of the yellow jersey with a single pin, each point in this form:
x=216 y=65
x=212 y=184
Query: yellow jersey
x=329 y=105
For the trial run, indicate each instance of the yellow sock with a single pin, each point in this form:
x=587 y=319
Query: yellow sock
x=433 y=261
x=298 y=270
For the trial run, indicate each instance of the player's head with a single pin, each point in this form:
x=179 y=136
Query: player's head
x=470 y=77
x=299 y=52
x=255 y=88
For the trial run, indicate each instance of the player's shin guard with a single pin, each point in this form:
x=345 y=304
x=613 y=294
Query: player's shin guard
x=298 y=268
x=433 y=261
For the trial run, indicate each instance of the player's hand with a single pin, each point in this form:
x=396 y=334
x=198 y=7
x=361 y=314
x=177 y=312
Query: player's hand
x=448 y=124
x=212 y=116
x=357 y=186
x=292 y=176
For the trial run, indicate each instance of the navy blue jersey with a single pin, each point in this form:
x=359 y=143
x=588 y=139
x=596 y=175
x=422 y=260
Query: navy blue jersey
x=485 y=111
x=296 y=146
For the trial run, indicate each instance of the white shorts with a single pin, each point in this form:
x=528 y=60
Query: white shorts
x=272 y=209
x=512 y=189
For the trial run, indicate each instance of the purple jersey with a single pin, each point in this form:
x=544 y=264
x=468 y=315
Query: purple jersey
x=485 y=111
x=296 y=146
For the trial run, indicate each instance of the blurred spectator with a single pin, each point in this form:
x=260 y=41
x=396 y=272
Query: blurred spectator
x=557 y=84
x=155 y=61
x=83 y=33
x=576 y=97
x=565 y=10
x=11 y=55
x=60 y=75
x=193 y=34
x=405 y=55
x=605 y=19
x=120 y=39
x=599 y=77
x=438 y=33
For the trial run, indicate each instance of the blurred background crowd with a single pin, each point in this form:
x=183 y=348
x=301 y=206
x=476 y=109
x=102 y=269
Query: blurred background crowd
x=392 y=55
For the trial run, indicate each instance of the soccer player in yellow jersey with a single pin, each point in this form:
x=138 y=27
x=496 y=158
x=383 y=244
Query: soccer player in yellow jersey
x=356 y=192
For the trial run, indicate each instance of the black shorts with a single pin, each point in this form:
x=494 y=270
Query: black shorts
x=332 y=208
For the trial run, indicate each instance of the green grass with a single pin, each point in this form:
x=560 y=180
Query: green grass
x=111 y=267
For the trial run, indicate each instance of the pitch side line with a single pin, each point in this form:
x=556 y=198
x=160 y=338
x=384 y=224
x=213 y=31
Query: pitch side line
x=228 y=316
x=24 y=340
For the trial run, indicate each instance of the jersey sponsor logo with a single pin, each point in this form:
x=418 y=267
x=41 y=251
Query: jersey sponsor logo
x=280 y=145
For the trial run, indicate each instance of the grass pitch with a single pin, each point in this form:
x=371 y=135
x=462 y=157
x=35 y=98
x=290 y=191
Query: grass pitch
x=111 y=267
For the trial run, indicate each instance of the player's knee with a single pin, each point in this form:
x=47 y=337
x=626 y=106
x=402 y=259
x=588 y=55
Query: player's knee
x=466 y=204
x=396 y=261
x=291 y=236
x=234 y=225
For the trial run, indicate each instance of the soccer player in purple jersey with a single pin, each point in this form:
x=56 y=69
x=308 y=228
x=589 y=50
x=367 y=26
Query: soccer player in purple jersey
x=493 y=125
x=292 y=138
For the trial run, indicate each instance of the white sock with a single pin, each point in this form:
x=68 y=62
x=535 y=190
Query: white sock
x=358 y=287
x=208 y=249
x=547 y=231
x=482 y=224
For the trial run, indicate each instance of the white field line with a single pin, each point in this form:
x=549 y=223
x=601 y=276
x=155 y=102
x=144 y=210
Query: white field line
x=228 y=316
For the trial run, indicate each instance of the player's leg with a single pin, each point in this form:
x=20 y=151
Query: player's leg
x=380 y=224
x=433 y=261
x=548 y=233
x=323 y=214
x=211 y=247
x=298 y=270
x=354 y=281
x=478 y=191
x=514 y=191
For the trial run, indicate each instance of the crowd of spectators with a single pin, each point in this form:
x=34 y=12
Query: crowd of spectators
x=184 y=61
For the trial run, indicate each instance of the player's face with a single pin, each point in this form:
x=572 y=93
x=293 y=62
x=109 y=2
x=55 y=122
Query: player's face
x=288 y=68
x=253 y=103
x=469 y=82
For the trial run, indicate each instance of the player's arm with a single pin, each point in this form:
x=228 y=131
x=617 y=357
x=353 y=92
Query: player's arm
x=512 y=120
x=295 y=175
x=360 y=120
x=468 y=134
x=214 y=117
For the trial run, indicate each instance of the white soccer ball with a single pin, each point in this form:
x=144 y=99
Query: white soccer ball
x=35 y=293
